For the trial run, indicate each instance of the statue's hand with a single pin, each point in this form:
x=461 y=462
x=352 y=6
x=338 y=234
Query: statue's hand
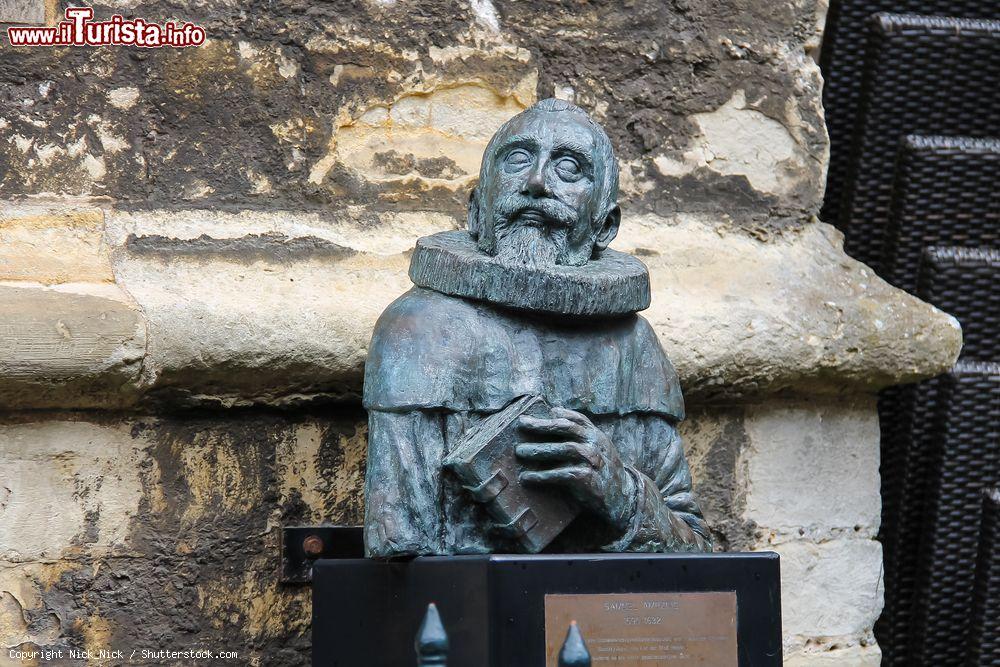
x=569 y=451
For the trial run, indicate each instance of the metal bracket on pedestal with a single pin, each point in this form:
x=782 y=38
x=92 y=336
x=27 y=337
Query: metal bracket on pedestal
x=301 y=545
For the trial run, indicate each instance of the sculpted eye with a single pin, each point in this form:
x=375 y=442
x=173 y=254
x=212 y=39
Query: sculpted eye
x=569 y=169
x=517 y=159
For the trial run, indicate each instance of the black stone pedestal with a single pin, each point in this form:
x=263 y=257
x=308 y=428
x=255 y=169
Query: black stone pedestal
x=366 y=613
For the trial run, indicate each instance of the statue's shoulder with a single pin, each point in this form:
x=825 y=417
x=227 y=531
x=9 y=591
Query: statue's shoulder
x=644 y=338
x=421 y=312
x=420 y=342
x=643 y=333
x=654 y=380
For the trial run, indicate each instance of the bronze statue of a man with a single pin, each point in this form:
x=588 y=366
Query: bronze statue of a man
x=530 y=301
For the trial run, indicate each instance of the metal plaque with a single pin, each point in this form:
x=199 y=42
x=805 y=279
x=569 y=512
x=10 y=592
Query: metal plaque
x=646 y=629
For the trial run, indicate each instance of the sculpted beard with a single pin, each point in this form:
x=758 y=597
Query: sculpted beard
x=529 y=243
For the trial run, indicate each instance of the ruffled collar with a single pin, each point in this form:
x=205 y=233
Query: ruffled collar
x=613 y=284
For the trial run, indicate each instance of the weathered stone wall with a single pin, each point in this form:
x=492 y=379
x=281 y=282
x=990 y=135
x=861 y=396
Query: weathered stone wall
x=195 y=244
x=162 y=531
x=386 y=104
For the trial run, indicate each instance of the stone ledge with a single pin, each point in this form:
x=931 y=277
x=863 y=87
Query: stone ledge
x=277 y=308
x=80 y=346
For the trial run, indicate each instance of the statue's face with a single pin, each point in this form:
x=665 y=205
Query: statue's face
x=541 y=192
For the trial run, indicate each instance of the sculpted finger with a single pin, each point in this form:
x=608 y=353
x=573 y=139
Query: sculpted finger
x=553 y=451
x=572 y=415
x=560 y=426
x=570 y=475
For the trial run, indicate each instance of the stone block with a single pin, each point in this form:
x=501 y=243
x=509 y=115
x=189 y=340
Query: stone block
x=53 y=244
x=741 y=315
x=258 y=319
x=811 y=470
x=830 y=589
x=63 y=348
x=68 y=487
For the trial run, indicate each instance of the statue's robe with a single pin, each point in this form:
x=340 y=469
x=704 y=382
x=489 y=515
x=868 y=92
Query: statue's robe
x=438 y=364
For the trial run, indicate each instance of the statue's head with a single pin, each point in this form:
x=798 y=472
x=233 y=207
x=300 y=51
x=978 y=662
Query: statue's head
x=548 y=188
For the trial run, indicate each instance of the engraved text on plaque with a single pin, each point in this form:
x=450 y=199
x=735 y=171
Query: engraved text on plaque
x=646 y=629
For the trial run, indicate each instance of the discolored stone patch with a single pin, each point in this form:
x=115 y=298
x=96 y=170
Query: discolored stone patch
x=164 y=530
x=315 y=106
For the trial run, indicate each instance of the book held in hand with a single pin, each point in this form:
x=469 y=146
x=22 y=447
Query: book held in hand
x=485 y=463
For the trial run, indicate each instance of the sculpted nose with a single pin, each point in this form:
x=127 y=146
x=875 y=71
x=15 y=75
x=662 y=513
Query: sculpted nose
x=534 y=185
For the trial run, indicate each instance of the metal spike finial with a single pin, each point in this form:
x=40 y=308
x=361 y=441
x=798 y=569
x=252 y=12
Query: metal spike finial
x=574 y=651
x=432 y=640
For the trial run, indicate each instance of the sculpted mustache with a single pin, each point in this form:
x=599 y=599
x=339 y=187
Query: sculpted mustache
x=554 y=211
